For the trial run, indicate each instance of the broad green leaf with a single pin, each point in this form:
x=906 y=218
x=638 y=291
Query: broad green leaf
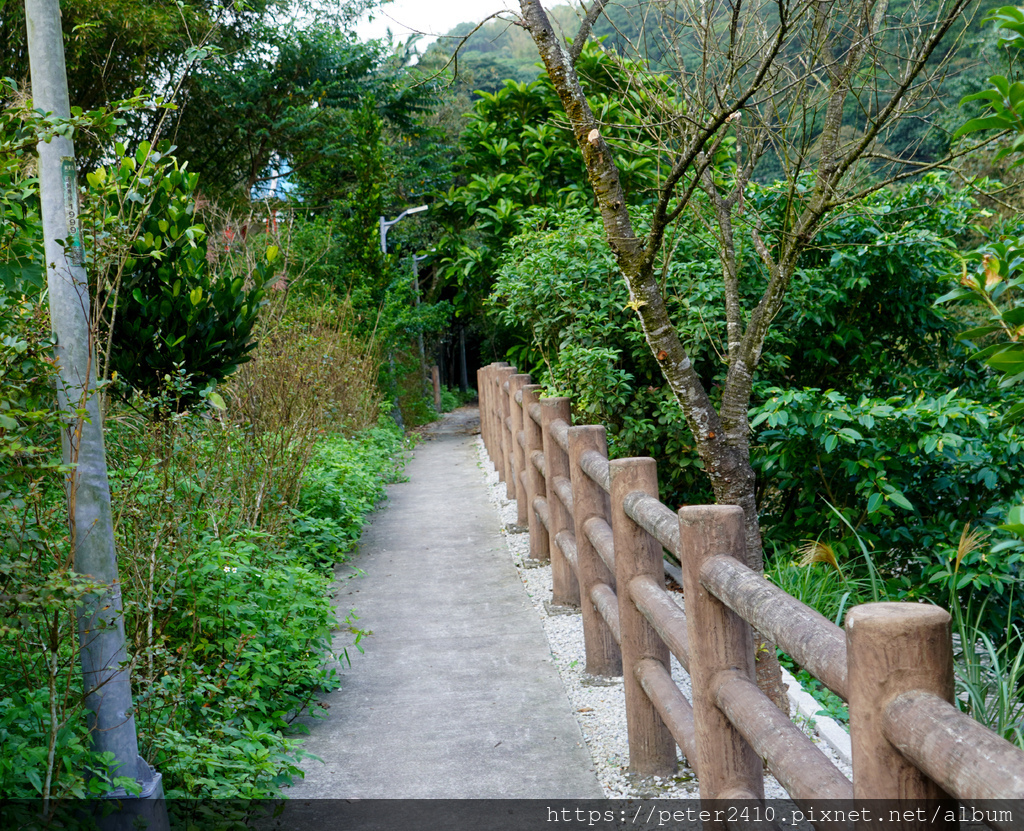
x=991 y=122
x=899 y=499
x=979 y=331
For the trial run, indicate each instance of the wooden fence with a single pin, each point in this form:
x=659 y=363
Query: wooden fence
x=602 y=527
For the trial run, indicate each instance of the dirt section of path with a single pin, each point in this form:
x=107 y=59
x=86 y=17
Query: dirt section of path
x=463 y=421
x=456 y=695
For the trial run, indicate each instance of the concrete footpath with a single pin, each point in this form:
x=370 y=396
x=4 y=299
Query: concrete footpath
x=456 y=695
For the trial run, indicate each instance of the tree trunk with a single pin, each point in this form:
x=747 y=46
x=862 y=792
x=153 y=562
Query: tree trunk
x=107 y=683
x=727 y=465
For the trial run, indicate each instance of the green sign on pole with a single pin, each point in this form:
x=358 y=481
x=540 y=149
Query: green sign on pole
x=73 y=244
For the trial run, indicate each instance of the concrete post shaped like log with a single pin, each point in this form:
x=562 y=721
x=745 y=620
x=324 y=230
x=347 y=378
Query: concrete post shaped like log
x=481 y=374
x=504 y=445
x=721 y=642
x=565 y=587
x=535 y=487
x=515 y=385
x=894 y=648
x=652 y=750
x=590 y=500
x=487 y=411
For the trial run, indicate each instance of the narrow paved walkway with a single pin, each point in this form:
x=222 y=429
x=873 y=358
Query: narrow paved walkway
x=456 y=695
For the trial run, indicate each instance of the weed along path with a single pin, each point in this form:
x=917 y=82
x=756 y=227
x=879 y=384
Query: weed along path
x=456 y=695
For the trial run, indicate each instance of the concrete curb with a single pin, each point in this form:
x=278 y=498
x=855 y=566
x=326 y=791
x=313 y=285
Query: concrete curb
x=828 y=729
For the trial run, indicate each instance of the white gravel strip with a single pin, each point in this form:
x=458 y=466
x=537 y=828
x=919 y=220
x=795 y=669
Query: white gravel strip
x=600 y=710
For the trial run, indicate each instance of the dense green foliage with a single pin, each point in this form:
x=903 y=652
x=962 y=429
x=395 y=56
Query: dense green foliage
x=286 y=112
x=229 y=529
x=907 y=472
x=879 y=448
x=160 y=51
x=992 y=275
x=559 y=282
x=515 y=153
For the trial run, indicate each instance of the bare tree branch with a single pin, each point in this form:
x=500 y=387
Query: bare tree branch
x=586 y=25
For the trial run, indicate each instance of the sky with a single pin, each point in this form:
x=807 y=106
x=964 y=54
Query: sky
x=430 y=16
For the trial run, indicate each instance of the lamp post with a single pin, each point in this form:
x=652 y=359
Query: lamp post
x=385 y=226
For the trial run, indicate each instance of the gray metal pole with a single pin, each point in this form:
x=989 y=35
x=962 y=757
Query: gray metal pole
x=416 y=303
x=100 y=619
x=463 y=374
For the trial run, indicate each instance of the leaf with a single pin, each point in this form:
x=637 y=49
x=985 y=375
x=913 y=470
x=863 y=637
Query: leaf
x=759 y=418
x=216 y=400
x=979 y=332
x=874 y=501
x=196 y=295
x=899 y=499
x=956 y=294
x=1014 y=317
x=991 y=122
x=33 y=777
x=1013 y=414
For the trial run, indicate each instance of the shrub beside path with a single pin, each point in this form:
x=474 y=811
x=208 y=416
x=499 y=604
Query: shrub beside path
x=456 y=695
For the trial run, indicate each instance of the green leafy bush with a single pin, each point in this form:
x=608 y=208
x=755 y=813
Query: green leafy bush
x=560 y=286
x=226 y=570
x=167 y=312
x=906 y=472
x=344 y=482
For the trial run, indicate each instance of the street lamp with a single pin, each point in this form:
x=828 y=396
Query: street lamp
x=385 y=225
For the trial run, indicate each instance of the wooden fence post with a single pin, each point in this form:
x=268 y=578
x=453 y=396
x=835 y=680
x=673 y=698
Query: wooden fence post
x=491 y=414
x=893 y=648
x=492 y=417
x=515 y=385
x=721 y=643
x=483 y=395
x=481 y=374
x=565 y=589
x=590 y=500
x=652 y=750
x=504 y=445
x=539 y=550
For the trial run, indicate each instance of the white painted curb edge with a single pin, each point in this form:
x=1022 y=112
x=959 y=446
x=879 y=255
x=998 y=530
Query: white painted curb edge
x=830 y=732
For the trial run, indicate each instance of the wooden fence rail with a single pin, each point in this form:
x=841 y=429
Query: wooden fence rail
x=602 y=527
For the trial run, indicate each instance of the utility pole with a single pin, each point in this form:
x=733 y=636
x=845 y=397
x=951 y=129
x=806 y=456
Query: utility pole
x=107 y=682
x=463 y=374
x=385 y=226
x=416 y=260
